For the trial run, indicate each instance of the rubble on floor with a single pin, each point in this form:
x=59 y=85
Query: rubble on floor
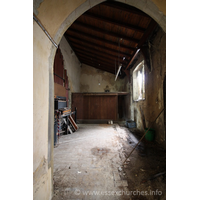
x=88 y=164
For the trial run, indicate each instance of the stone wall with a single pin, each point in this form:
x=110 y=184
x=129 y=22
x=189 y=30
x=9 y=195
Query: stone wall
x=94 y=80
x=154 y=96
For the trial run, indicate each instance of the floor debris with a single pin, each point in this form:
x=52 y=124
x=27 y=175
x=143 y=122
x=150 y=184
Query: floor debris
x=90 y=160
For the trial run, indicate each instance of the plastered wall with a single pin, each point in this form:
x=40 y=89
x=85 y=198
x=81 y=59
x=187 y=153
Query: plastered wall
x=42 y=182
x=154 y=99
x=94 y=80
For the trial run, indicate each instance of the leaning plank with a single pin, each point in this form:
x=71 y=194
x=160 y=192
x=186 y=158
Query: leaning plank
x=73 y=123
x=69 y=129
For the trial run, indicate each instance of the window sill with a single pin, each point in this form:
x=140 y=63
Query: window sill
x=138 y=100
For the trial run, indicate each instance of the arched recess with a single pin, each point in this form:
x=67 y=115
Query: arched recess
x=148 y=7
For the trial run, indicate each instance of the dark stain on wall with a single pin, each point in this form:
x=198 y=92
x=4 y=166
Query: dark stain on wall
x=154 y=79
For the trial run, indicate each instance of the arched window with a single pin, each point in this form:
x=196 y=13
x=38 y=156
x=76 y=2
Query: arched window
x=139 y=82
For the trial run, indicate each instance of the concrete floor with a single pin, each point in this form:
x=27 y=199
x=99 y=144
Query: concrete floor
x=88 y=165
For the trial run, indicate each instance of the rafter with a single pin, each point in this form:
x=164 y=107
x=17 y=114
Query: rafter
x=102 y=45
x=96 y=45
x=102 y=67
x=149 y=30
x=99 y=46
x=122 y=7
x=76 y=45
x=99 y=55
x=97 y=59
x=101 y=62
x=114 y=22
x=134 y=56
x=151 y=27
x=103 y=31
x=90 y=36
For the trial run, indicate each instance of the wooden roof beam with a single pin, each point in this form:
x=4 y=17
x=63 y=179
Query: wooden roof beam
x=134 y=56
x=114 y=22
x=103 y=31
x=100 y=55
x=101 y=67
x=149 y=30
x=105 y=51
x=123 y=7
x=99 y=39
x=98 y=60
x=151 y=27
x=94 y=44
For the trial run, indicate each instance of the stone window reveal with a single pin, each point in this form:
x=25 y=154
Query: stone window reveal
x=139 y=82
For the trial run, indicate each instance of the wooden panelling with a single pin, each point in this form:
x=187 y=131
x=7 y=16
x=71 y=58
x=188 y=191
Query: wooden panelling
x=77 y=101
x=60 y=76
x=98 y=106
x=58 y=67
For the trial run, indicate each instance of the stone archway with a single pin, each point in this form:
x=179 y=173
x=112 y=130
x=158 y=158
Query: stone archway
x=149 y=7
x=146 y=6
x=56 y=21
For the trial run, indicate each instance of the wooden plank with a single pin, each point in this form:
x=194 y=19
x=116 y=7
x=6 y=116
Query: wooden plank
x=122 y=49
x=100 y=94
x=77 y=101
x=149 y=30
x=134 y=56
x=58 y=67
x=124 y=7
x=94 y=46
x=77 y=46
x=151 y=27
x=97 y=106
x=100 y=55
x=97 y=58
x=69 y=129
x=104 y=32
x=114 y=22
x=71 y=32
x=73 y=123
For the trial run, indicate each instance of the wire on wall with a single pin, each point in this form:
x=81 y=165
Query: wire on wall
x=42 y=27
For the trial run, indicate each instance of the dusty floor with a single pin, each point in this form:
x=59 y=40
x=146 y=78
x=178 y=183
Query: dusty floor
x=88 y=165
